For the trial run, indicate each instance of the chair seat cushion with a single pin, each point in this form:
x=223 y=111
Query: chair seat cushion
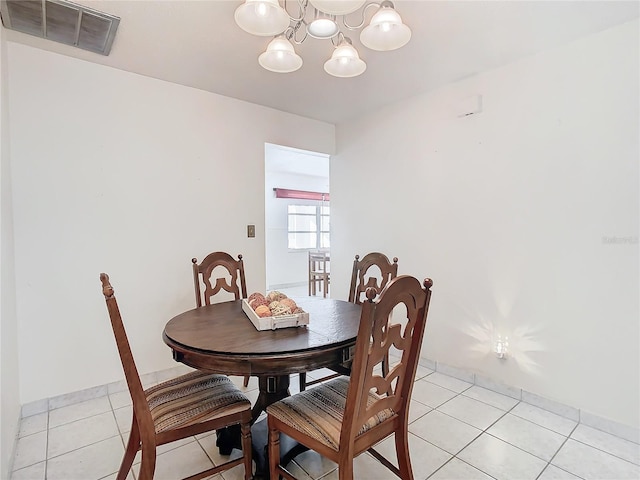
x=318 y=412
x=193 y=398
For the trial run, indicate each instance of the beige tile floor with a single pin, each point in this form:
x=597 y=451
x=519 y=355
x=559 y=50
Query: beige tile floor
x=458 y=431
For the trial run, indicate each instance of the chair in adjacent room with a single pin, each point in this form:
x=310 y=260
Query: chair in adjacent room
x=347 y=416
x=374 y=270
x=185 y=406
x=319 y=274
x=217 y=272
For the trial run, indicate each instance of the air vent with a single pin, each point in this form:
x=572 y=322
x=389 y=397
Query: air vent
x=62 y=22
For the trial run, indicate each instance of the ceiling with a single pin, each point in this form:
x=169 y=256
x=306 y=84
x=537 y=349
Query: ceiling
x=197 y=44
x=279 y=158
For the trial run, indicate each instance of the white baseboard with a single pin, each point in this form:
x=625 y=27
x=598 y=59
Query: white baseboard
x=623 y=431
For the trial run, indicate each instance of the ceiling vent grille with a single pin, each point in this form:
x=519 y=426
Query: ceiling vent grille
x=61 y=21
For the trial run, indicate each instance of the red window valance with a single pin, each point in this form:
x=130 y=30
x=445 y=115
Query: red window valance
x=301 y=194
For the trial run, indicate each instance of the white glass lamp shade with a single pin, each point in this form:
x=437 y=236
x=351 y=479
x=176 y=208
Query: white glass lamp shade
x=337 y=7
x=323 y=26
x=385 y=31
x=345 y=62
x=280 y=57
x=262 y=17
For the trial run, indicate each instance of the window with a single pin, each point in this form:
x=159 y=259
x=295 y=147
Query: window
x=308 y=226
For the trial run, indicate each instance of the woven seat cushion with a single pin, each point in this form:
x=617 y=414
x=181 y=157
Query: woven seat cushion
x=193 y=398
x=318 y=412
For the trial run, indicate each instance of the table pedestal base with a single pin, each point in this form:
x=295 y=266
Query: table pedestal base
x=229 y=438
x=289 y=449
x=272 y=389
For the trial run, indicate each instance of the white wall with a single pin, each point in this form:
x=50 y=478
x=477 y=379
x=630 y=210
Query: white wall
x=132 y=176
x=509 y=211
x=9 y=382
x=286 y=267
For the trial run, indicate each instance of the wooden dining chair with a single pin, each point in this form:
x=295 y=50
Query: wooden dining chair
x=319 y=272
x=185 y=406
x=374 y=270
x=228 y=272
x=347 y=416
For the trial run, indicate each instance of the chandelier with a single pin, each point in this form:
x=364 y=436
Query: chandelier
x=320 y=19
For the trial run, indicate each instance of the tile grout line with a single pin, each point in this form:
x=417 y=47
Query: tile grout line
x=600 y=449
x=456 y=394
x=455 y=455
x=46 y=454
x=486 y=430
x=204 y=450
x=460 y=460
x=83 y=446
x=558 y=451
x=430 y=365
x=124 y=444
x=519 y=401
x=566 y=438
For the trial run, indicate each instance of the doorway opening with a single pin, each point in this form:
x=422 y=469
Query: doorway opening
x=297 y=214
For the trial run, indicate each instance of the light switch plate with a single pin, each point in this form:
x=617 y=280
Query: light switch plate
x=251 y=231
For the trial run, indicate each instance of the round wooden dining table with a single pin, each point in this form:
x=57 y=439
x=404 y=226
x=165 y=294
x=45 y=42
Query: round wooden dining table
x=220 y=338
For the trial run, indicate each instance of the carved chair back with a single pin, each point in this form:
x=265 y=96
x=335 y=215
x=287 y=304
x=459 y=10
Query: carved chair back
x=375 y=337
x=374 y=270
x=228 y=272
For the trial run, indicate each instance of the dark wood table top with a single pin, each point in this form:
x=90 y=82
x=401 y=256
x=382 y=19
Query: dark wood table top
x=221 y=338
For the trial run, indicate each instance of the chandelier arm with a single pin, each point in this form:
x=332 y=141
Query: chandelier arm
x=337 y=39
x=302 y=9
x=293 y=32
x=364 y=17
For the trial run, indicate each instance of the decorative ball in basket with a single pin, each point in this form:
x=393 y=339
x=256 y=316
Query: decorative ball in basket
x=273 y=310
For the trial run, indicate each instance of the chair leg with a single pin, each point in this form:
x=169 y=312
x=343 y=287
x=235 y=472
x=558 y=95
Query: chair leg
x=245 y=430
x=133 y=444
x=303 y=381
x=402 y=452
x=274 y=452
x=246 y=381
x=148 y=465
x=345 y=468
